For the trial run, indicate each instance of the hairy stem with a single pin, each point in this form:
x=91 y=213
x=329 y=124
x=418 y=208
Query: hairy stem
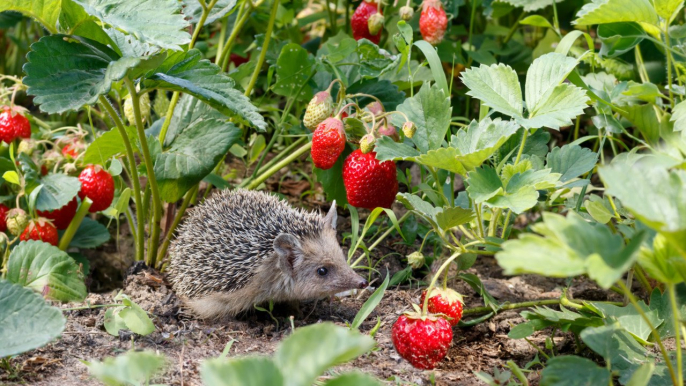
x=152 y=181
x=269 y=172
x=75 y=223
x=265 y=46
x=133 y=170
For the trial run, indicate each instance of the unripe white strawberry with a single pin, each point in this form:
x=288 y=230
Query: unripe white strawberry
x=375 y=23
x=367 y=143
x=144 y=106
x=161 y=104
x=406 y=13
x=409 y=128
x=26 y=146
x=319 y=108
x=16 y=220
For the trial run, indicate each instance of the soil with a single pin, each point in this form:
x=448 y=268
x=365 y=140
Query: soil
x=187 y=341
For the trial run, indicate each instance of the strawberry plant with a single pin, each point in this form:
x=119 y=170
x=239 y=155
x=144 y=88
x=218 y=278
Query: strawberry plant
x=468 y=141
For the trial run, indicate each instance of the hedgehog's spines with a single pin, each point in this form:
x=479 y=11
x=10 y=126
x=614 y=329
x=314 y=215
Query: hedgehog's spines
x=221 y=242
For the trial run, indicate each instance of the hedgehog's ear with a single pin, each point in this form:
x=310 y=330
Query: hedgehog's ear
x=332 y=217
x=287 y=247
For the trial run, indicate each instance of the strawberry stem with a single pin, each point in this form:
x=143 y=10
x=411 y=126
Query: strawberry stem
x=75 y=223
x=433 y=281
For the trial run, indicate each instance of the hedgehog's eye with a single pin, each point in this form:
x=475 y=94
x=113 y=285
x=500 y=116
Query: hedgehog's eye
x=322 y=271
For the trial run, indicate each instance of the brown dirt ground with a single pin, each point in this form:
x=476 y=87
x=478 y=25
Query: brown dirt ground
x=187 y=341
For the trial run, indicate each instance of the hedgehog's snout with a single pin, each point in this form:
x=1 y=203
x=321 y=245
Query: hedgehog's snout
x=363 y=284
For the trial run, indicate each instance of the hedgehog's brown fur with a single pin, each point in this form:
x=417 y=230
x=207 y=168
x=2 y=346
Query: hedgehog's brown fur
x=244 y=247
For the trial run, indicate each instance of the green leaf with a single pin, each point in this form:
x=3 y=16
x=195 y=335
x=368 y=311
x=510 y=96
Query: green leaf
x=26 y=320
x=536 y=21
x=530 y=5
x=642 y=375
x=679 y=116
x=188 y=72
x=598 y=211
x=65 y=73
x=653 y=194
x=331 y=179
x=619 y=38
x=616 y=345
x=156 y=22
x=645 y=119
x=663 y=262
x=113 y=322
x=662 y=305
x=565 y=103
x=47 y=270
x=434 y=61
x=58 y=190
x=11 y=176
x=193 y=10
x=613 y=11
x=90 y=234
x=497 y=86
x=132 y=368
x=353 y=379
x=193 y=155
x=667 y=8
x=569 y=246
x=471 y=146
x=630 y=319
x=188 y=110
x=571 y=161
x=387 y=149
x=544 y=75
x=310 y=350
x=45 y=11
x=293 y=69
x=247 y=371
x=109 y=144
x=385 y=91
x=375 y=61
x=442 y=219
x=369 y=305
x=574 y=371
x=430 y=111
x=518 y=194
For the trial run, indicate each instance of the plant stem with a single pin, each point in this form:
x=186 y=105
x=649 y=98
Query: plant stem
x=140 y=215
x=75 y=223
x=671 y=287
x=479 y=221
x=241 y=18
x=168 y=117
x=388 y=231
x=269 y=172
x=505 y=233
x=265 y=46
x=433 y=281
x=151 y=180
x=198 y=27
x=471 y=30
x=653 y=331
x=177 y=219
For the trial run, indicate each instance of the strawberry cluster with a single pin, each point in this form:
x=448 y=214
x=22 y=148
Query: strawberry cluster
x=61 y=156
x=368 y=182
x=423 y=338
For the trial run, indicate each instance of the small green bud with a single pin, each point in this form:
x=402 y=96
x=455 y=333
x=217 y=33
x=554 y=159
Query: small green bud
x=416 y=260
x=16 y=220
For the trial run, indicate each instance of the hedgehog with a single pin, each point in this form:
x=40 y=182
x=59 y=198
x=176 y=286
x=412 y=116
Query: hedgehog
x=243 y=248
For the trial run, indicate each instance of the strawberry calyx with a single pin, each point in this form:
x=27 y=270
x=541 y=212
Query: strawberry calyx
x=448 y=294
x=431 y=3
x=420 y=315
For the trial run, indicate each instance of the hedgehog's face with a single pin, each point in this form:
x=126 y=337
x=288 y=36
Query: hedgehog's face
x=317 y=265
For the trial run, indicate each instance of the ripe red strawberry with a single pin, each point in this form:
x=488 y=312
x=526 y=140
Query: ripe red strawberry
x=319 y=108
x=40 y=229
x=445 y=301
x=13 y=125
x=74 y=146
x=328 y=142
x=237 y=60
x=3 y=214
x=98 y=185
x=422 y=341
x=360 y=21
x=368 y=182
x=433 y=21
x=61 y=217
